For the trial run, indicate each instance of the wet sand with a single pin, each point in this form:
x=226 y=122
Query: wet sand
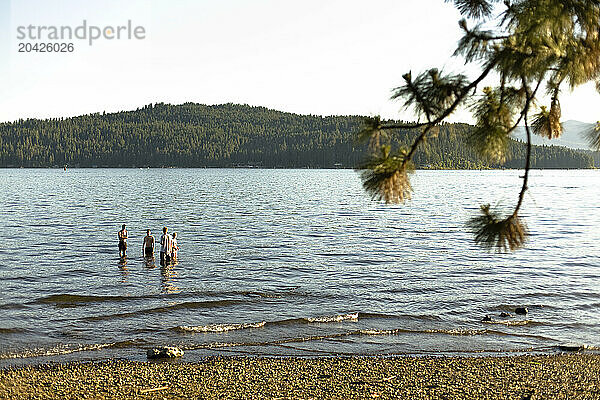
x=574 y=376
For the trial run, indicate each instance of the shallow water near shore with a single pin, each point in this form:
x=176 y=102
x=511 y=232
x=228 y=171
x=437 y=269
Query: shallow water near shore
x=291 y=262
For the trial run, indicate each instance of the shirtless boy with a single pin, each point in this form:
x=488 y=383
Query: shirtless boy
x=123 y=241
x=148 y=245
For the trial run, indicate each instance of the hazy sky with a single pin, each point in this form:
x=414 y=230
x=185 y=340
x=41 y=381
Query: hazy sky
x=310 y=56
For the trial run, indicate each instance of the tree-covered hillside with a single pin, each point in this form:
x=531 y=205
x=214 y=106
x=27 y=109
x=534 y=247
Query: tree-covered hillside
x=195 y=135
x=595 y=156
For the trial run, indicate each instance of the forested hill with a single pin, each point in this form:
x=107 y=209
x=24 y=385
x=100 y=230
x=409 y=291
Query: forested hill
x=195 y=135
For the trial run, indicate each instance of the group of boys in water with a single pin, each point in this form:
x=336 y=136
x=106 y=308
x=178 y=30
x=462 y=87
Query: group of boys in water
x=168 y=245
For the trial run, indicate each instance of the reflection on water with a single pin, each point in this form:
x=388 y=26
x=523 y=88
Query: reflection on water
x=168 y=275
x=149 y=262
x=123 y=268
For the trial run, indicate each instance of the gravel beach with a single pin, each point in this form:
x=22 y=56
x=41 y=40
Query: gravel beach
x=574 y=376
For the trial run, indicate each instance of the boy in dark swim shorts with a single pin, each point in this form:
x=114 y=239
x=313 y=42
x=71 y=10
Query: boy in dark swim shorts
x=122 y=241
x=148 y=244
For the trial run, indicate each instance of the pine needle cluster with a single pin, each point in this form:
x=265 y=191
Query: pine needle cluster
x=385 y=176
x=496 y=233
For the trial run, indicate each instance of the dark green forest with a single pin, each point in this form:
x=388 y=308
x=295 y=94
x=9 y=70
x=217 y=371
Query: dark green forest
x=227 y=135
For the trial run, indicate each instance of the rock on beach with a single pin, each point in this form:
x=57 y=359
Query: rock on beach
x=164 y=352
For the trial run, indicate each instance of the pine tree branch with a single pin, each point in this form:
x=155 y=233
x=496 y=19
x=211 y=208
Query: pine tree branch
x=527 y=166
x=420 y=99
x=448 y=111
x=530 y=97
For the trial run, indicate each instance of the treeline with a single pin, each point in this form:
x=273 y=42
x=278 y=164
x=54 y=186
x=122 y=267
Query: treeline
x=595 y=156
x=195 y=135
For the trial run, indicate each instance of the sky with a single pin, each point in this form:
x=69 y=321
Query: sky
x=322 y=57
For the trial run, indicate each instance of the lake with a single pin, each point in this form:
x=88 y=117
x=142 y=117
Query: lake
x=291 y=262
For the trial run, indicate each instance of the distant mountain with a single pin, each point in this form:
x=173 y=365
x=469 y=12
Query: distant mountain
x=229 y=135
x=573 y=136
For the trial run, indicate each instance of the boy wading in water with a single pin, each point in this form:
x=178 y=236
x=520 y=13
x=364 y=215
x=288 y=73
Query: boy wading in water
x=122 y=241
x=148 y=244
x=166 y=247
x=174 y=248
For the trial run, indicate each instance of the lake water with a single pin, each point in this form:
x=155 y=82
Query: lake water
x=290 y=262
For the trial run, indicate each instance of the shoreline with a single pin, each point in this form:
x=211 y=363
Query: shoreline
x=403 y=377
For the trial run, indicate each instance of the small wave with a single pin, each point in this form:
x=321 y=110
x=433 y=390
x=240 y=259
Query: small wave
x=458 y=332
x=74 y=299
x=513 y=322
x=415 y=317
x=352 y=317
x=230 y=327
x=12 y=306
x=219 y=327
x=586 y=306
x=373 y=332
x=453 y=332
x=56 y=351
x=300 y=339
x=12 y=330
x=179 y=306
x=66 y=299
x=334 y=318
x=31 y=279
x=263 y=295
x=361 y=332
x=379 y=315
